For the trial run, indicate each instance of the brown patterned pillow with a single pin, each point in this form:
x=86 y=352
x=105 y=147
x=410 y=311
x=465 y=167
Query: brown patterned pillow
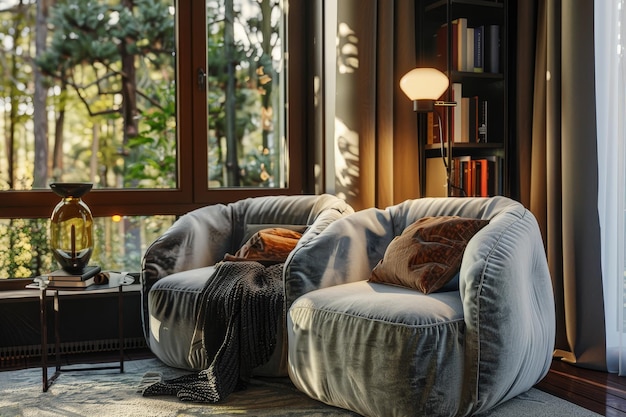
x=267 y=246
x=427 y=254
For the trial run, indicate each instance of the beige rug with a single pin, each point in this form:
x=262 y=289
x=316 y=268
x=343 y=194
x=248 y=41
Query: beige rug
x=110 y=394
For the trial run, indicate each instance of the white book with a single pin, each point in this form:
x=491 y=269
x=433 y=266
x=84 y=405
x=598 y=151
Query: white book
x=470 y=50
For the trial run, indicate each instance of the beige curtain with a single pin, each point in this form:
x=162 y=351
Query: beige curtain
x=397 y=151
x=364 y=127
x=557 y=164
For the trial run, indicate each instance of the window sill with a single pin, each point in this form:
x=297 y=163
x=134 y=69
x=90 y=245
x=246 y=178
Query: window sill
x=13 y=284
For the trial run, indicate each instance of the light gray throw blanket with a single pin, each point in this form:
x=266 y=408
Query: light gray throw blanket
x=242 y=301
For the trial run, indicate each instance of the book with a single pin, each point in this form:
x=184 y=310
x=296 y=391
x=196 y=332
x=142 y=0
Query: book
x=459 y=29
x=482 y=121
x=481 y=178
x=478 y=48
x=492 y=49
x=495 y=175
x=465 y=119
x=470 y=50
x=63 y=275
x=457 y=113
x=473 y=119
x=460 y=177
x=72 y=284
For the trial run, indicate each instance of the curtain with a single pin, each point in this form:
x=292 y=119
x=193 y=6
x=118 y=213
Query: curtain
x=364 y=125
x=610 y=33
x=397 y=150
x=558 y=165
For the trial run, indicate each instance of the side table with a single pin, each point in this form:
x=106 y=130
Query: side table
x=55 y=292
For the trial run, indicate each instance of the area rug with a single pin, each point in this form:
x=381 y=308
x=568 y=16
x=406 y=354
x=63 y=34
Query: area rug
x=110 y=393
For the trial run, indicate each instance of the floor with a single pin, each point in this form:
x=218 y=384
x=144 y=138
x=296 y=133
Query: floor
x=597 y=391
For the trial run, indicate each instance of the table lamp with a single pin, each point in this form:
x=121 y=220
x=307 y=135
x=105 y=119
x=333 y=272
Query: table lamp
x=71 y=227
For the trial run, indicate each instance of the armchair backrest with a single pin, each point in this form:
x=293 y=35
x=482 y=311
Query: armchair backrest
x=203 y=236
x=348 y=249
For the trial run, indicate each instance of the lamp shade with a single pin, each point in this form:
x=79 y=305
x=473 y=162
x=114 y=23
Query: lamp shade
x=424 y=84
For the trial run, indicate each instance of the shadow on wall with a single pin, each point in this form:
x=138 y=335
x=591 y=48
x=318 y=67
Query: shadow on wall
x=347 y=183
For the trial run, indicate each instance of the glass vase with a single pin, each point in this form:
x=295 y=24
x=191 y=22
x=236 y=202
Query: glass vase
x=71 y=227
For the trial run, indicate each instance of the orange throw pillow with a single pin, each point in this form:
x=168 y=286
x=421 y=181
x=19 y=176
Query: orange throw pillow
x=267 y=246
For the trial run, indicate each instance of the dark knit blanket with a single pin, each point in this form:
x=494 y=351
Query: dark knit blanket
x=245 y=301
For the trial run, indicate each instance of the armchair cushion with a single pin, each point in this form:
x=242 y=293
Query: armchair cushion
x=428 y=253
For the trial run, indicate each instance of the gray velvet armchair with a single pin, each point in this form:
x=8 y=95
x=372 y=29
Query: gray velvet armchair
x=178 y=265
x=383 y=350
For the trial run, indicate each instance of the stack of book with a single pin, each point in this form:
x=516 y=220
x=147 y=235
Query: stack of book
x=63 y=279
x=474 y=49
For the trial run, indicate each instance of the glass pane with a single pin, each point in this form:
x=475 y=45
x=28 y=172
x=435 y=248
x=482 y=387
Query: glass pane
x=246 y=93
x=119 y=244
x=87 y=93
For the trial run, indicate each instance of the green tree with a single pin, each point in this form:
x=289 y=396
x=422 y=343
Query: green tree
x=95 y=47
x=241 y=77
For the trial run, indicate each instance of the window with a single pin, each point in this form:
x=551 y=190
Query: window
x=165 y=106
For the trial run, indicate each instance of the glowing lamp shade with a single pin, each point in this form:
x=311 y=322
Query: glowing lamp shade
x=424 y=84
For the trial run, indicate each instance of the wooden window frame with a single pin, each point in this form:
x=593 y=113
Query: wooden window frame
x=192 y=134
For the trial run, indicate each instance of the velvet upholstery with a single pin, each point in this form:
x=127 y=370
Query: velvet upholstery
x=177 y=266
x=383 y=350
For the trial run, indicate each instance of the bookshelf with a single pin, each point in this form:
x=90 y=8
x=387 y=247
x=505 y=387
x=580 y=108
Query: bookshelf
x=467 y=40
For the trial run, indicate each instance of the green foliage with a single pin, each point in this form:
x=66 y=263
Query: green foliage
x=154 y=149
x=88 y=32
x=87 y=40
x=24 y=245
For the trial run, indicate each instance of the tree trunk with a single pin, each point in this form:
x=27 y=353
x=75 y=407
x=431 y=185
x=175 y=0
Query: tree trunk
x=57 y=157
x=129 y=86
x=232 y=164
x=40 y=118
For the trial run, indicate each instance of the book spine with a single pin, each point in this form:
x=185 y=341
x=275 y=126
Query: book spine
x=457 y=113
x=482 y=127
x=492 y=49
x=478 y=48
x=455 y=45
x=461 y=44
x=61 y=275
x=470 y=50
x=473 y=119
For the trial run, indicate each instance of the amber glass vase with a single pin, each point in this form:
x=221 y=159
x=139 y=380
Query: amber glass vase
x=71 y=227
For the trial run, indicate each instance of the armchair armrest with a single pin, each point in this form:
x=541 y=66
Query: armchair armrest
x=345 y=251
x=508 y=306
x=197 y=239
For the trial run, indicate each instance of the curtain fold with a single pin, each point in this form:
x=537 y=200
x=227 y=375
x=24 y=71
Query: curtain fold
x=560 y=185
x=609 y=33
x=397 y=156
x=367 y=126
